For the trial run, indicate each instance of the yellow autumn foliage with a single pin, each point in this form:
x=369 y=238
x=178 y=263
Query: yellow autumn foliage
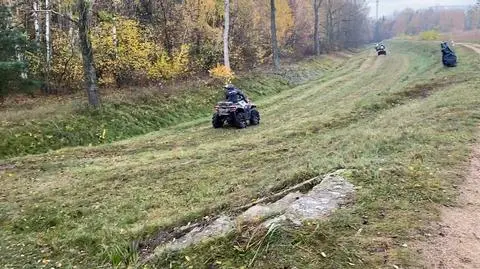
x=285 y=20
x=66 y=67
x=431 y=35
x=124 y=52
x=121 y=50
x=166 y=67
x=67 y=62
x=221 y=72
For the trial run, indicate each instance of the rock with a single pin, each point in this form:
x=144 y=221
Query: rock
x=274 y=221
x=219 y=228
x=7 y=166
x=294 y=207
x=321 y=201
x=297 y=207
x=255 y=213
x=261 y=212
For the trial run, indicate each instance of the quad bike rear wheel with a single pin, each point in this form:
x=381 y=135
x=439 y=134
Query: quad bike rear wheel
x=254 y=117
x=240 y=120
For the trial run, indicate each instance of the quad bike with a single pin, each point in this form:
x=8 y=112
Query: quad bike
x=235 y=114
x=381 y=50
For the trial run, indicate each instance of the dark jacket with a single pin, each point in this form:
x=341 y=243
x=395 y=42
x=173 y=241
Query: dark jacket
x=234 y=95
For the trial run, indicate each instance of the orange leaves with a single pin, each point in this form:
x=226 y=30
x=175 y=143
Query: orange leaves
x=223 y=73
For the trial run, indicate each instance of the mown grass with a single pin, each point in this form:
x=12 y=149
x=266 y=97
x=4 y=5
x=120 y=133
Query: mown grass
x=85 y=206
x=39 y=126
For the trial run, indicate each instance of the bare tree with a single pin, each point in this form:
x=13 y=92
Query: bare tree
x=273 y=28
x=84 y=9
x=316 y=34
x=226 y=53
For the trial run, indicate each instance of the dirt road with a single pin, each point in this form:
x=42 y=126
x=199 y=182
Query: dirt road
x=458 y=244
x=474 y=47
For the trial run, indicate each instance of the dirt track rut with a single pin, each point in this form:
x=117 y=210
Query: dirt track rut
x=473 y=47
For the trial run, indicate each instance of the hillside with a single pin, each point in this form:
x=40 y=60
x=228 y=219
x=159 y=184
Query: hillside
x=401 y=125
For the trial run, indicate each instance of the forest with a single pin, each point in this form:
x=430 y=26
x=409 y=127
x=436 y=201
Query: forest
x=65 y=46
x=442 y=20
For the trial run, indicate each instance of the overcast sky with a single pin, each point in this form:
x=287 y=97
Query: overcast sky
x=387 y=7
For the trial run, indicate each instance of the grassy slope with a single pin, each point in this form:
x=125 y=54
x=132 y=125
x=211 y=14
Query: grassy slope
x=404 y=149
x=40 y=125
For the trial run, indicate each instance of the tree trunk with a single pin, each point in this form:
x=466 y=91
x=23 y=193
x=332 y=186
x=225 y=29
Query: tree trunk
x=273 y=28
x=84 y=8
x=316 y=34
x=115 y=38
x=47 y=33
x=329 y=23
x=21 y=59
x=166 y=29
x=48 y=55
x=71 y=30
x=226 y=53
x=36 y=23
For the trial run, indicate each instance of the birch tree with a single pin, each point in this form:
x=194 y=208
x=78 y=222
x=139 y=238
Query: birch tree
x=226 y=53
x=273 y=29
x=48 y=43
x=36 y=23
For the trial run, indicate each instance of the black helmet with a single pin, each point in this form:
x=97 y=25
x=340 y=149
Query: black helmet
x=229 y=86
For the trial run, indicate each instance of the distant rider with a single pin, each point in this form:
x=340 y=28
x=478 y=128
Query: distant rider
x=379 y=46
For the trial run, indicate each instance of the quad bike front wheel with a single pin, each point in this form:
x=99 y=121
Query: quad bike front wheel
x=382 y=53
x=254 y=117
x=217 y=121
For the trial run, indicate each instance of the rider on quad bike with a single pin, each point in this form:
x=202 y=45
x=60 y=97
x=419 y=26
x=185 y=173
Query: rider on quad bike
x=236 y=96
x=236 y=110
x=380 y=48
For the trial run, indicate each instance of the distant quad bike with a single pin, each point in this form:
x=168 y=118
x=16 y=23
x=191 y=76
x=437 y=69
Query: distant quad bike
x=235 y=114
x=381 y=50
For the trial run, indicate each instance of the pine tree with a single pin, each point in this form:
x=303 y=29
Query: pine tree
x=13 y=42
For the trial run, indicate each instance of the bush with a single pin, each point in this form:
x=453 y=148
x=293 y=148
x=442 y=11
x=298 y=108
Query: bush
x=166 y=67
x=125 y=59
x=67 y=64
x=223 y=73
x=431 y=35
x=132 y=57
